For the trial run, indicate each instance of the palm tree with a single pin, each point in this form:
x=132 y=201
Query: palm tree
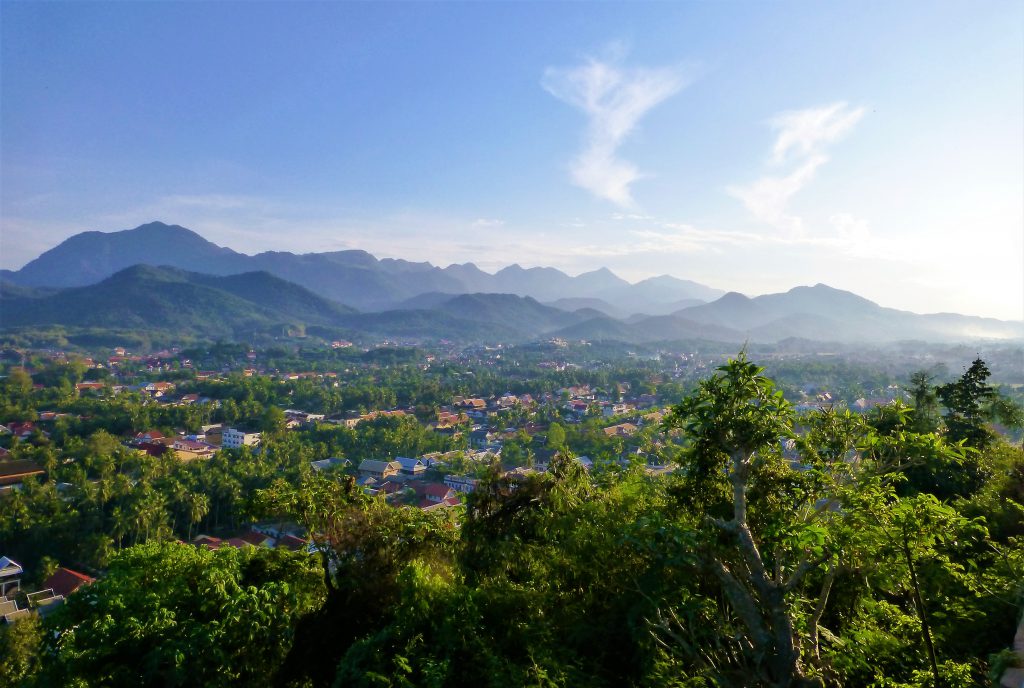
x=120 y=524
x=199 y=506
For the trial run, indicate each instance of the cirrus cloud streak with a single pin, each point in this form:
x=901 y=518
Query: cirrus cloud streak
x=614 y=100
x=801 y=143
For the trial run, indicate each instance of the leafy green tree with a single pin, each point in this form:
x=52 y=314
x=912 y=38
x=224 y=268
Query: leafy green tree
x=965 y=400
x=18 y=385
x=172 y=614
x=20 y=647
x=273 y=421
x=516 y=451
x=736 y=421
x=556 y=437
x=925 y=401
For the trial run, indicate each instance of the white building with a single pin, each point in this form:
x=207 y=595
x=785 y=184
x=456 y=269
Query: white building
x=232 y=438
x=461 y=483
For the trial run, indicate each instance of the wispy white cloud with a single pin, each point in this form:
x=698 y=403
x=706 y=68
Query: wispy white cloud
x=768 y=197
x=482 y=222
x=801 y=143
x=804 y=133
x=614 y=99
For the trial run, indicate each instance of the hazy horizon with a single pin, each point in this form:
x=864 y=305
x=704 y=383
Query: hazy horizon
x=748 y=147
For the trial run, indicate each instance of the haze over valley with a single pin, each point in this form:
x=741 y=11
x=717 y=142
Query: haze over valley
x=168 y=278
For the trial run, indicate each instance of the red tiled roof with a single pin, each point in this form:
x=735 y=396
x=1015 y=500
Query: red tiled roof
x=18 y=427
x=65 y=581
x=291 y=542
x=435 y=490
x=152 y=448
x=390 y=487
x=427 y=505
x=207 y=541
x=253 y=538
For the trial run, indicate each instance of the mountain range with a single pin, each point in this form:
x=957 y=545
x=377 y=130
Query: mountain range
x=353 y=277
x=168 y=278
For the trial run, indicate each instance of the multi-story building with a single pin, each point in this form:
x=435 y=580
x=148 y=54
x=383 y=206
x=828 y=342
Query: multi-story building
x=233 y=438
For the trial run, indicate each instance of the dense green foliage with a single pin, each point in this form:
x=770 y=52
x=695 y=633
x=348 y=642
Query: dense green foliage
x=170 y=614
x=819 y=549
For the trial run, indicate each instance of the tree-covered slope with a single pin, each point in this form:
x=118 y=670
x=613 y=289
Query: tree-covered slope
x=160 y=298
x=522 y=314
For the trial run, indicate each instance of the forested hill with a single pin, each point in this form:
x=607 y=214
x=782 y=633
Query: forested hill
x=161 y=298
x=258 y=304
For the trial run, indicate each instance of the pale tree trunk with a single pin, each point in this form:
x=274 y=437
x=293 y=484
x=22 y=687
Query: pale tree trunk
x=762 y=605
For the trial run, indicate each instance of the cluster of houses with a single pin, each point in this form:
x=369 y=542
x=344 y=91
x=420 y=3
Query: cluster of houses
x=201 y=445
x=256 y=537
x=410 y=482
x=402 y=481
x=477 y=419
x=16 y=603
x=353 y=420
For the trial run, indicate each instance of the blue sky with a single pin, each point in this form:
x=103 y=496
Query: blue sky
x=876 y=147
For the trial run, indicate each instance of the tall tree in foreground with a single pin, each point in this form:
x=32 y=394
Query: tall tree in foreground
x=784 y=537
x=736 y=421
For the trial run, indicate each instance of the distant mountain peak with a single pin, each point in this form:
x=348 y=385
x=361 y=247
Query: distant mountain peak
x=820 y=286
x=157 y=225
x=831 y=294
x=156 y=228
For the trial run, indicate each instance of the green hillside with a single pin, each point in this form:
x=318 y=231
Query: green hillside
x=144 y=297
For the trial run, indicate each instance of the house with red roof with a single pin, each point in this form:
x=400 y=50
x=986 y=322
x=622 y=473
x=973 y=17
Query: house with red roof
x=65 y=581
x=158 y=389
x=430 y=506
x=150 y=436
x=434 y=495
x=207 y=541
x=21 y=429
x=291 y=542
x=188 y=450
x=156 y=449
x=255 y=539
x=89 y=387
